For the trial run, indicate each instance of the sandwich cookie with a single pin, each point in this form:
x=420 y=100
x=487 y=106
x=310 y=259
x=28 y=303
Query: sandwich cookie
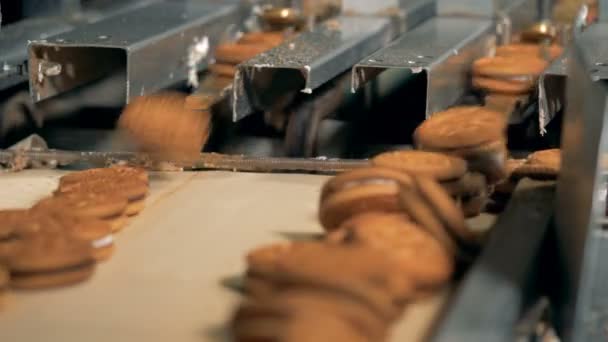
x=134 y=191
x=162 y=125
x=364 y=274
x=10 y=221
x=476 y=134
x=264 y=38
x=542 y=165
x=49 y=260
x=4 y=283
x=436 y=165
x=507 y=75
x=107 y=207
x=362 y=190
x=420 y=256
x=290 y=304
x=547 y=52
x=114 y=172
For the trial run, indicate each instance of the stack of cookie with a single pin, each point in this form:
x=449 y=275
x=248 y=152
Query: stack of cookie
x=229 y=55
x=509 y=77
x=393 y=236
x=475 y=134
x=58 y=241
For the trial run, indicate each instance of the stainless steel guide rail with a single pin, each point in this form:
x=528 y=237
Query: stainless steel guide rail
x=442 y=49
x=212 y=161
x=552 y=91
x=582 y=242
x=131 y=44
x=306 y=62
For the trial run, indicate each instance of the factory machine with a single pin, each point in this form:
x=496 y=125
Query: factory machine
x=354 y=79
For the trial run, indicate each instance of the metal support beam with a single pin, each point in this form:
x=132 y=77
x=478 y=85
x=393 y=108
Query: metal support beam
x=148 y=45
x=581 y=301
x=442 y=49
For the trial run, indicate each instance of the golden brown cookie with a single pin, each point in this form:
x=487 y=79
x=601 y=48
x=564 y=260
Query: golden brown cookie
x=132 y=190
x=445 y=209
x=439 y=166
x=161 y=124
x=510 y=86
x=363 y=273
x=488 y=159
x=550 y=52
x=222 y=70
x=237 y=53
x=508 y=185
x=49 y=260
x=115 y=172
x=541 y=165
x=85 y=204
x=292 y=303
x=473 y=206
x=367 y=175
x=135 y=207
x=98 y=233
x=421 y=212
x=364 y=190
x=5 y=279
x=507 y=67
x=460 y=127
x=263 y=259
x=421 y=257
x=265 y=38
x=472 y=183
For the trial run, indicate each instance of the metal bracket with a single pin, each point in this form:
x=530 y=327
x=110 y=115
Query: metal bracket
x=551 y=91
x=149 y=45
x=441 y=48
x=306 y=62
x=579 y=211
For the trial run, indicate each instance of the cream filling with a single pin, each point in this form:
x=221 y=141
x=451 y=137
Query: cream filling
x=103 y=242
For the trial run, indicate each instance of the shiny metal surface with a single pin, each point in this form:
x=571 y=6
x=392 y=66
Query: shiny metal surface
x=306 y=62
x=552 y=91
x=152 y=53
x=581 y=239
x=441 y=48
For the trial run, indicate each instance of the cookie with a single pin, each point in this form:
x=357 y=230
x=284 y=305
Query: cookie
x=436 y=165
x=266 y=38
x=488 y=159
x=97 y=233
x=10 y=219
x=4 y=281
x=118 y=223
x=508 y=67
x=508 y=185
x=46 y=260
x=278 y=324
x=472 y=183
x=132 y=190
x=365 y=274
x=263 y=259
x=422 y=213
x=135 y=207
x=506 y=104
x=420 y=256
x=550 y=52
x=162 y=125
x=85 y=204
x=460 y=127
x=122 y=172
x=473 y=206
x=362 y=176
x=541 y=165
x=292 y=303
x=222 y=70
x=237 y=53
x=511 y=86
x=445 y=209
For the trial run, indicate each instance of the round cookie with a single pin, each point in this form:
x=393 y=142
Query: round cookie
x=421 y=257
x=472 y=183
x=266 y=38
x=460 y=127
x=504 y=86
x=132 y=190
x=223 y=70
x=135 y=207
x=511 y=66
x=114 y=172
x=50 y=260
x=98 y=233
x=423 y=214
x=445 y=209
x=365 y=274
x=488 y=159
x=85 y=204
x=550 y=52
x=436 y=165
x=237 y=53
x=540 y=165
x=10 y=221
x=367 y=175
x=4 y=282
x=263 y=259
x=162 y=125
